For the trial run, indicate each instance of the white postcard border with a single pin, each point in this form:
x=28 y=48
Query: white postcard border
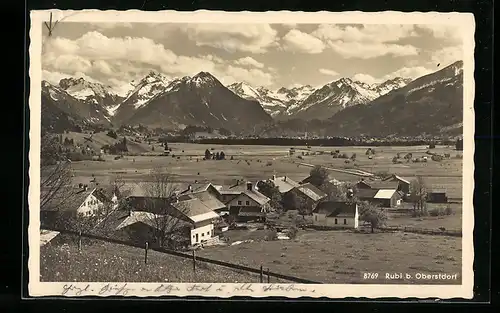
x=463 y=20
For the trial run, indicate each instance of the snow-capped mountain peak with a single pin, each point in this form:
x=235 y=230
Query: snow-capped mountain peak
x=203 y=79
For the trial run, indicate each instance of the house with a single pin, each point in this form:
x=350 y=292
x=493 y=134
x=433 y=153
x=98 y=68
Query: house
x=387 y=198
x=248 y=204
x=310 y=196
x=205 y=187
x=140 y=227
x=228 y=193
x=191 y=212
x=336 y=214
x=403 y=183
x=208 y=199
x=78 y=201
x=284 y=183
x=437 y=197
x=376 y=184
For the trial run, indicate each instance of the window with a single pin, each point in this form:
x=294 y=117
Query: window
x=345 y=221
x=239 y=202
x=247 y=202
x=335 y=221
x=208 y=233
x=316 y=218
x=202 y=234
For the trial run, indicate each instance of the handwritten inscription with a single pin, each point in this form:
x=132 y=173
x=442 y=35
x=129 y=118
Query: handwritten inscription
x=126 y=289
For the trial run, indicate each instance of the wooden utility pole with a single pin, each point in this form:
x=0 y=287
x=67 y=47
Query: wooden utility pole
x=261 y=274
x=146 y=247
x=268 y=276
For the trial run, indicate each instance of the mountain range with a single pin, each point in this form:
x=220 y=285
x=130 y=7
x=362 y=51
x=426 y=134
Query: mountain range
x=342 y=106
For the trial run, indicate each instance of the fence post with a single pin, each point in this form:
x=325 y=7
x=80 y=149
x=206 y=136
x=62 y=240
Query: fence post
x=194 y=261
x=80 y=240
x=261 y=274
x=146 y=253
x=268 y=276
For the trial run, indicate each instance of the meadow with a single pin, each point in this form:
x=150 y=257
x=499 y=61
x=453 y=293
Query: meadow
x=100 y=261
x=185 y=163
x=342 y=257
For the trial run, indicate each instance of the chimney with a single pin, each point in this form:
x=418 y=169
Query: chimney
x=80 y=185
x=85 y=187
x=190 y=188
x=249 y=186
x=284 y=178
x=274 y=177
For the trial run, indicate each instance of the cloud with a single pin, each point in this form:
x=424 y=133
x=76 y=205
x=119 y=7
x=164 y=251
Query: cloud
x=367 y=41
x=447 y=33
x=53 y=77
x=361 y=50
x=447 y=55
x=365 y=78
x=289 y=25
x=249 y=61
x=122 y=59
x=255 y=38
x=328 y=72
x=404 y=72
x=364 y=33
x=254 y=77
x=297 y=41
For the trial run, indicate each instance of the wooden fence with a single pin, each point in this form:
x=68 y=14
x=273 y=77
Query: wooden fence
x=193 y=257
x=425 y=231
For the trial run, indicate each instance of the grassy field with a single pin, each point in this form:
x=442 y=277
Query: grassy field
x=343 y=257
x=60 y=260
x=260 y=162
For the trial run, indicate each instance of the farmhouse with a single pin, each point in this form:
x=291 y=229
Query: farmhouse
x=387 y=198
x=248 y=205
x=284 y=183
x=377 y=184
x=160 y=212
x=208 y=199
x=403 y=183
x=79 y=201
x=336 y=214
x=310 y=196
x=208 y=187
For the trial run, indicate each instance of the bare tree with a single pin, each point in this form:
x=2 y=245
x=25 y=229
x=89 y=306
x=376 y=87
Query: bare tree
x=166 y=214
x=55 y=174
x=418 y=195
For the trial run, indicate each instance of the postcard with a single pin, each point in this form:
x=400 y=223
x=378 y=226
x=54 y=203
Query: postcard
x=225 y=154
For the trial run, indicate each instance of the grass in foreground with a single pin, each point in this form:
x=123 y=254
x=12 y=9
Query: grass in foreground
x=60 y=260
x=343 y=257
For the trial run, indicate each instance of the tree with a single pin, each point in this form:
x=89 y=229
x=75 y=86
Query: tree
x=222 y=156
x=164 y=213
x=418 y=196
x=271 y=191
x=208 y=155
x=459 y=145
x=372 y=215
x=217 y=156
x=353 y=157
x=318 y=176
x=112 y=134
x=165 y=145
x=55 y=174
x=292 y=202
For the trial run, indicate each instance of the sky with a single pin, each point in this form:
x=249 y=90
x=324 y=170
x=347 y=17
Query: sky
x=269 y=55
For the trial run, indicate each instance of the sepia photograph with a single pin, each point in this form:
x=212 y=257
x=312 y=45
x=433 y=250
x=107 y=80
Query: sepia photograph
x=257 y=154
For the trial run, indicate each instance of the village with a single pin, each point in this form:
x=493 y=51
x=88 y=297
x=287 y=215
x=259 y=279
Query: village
x=218 y=218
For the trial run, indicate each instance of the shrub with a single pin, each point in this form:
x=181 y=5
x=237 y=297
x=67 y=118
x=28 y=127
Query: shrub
x=112 y=134
x=271 y=235
x=448 y=210
x=292 y=232
x=435 y=212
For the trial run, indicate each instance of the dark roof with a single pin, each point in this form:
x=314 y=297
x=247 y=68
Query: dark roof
x=206 y=197
x=335 y=208
x=311 y=191
x=366 y=193
x=74 y=198
x=380 y=184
